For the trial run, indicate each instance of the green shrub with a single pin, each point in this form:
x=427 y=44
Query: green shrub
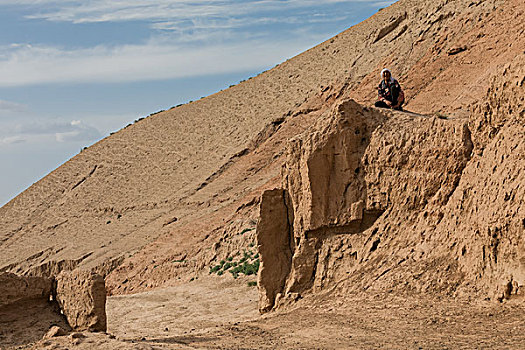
x=215 y=268
x=246 y=268
x=252 y=284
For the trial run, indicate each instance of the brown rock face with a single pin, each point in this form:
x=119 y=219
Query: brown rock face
x=82 y=298
x=323 y=171
x=14 y=288
x=324 y=176
x=273 y=239
x=406 y=202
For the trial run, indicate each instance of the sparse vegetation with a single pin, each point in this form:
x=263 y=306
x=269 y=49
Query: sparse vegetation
x=246 y=268
x=252 y=284
x=246 y=263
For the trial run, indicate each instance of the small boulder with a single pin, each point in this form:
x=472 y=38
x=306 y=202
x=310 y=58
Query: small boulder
x=455 y=50
x=54 y=331
x=82 y=298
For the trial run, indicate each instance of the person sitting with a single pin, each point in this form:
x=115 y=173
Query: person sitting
x=389 y=92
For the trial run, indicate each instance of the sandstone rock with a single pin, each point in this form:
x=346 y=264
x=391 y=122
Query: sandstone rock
x=54 y=331
x=324 y=171
x=455 y=50
x=376 y=197
x=77 y=335
x=14 y=288
x=274 y=240
x=324 y=176
x=82 y=298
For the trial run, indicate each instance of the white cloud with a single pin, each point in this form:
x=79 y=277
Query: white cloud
x=197 y=37
x=47 y=130
x=133 y=10
x=79 y=132
x=152 y=61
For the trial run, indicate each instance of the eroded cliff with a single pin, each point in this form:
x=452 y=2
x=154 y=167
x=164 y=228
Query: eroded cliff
x=395 y=201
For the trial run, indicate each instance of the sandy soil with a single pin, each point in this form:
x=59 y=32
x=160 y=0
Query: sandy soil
x=214 y=313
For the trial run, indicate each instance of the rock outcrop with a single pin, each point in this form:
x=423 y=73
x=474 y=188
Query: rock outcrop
x=82 y=298
x=14 y=288
x=412 y=203
x=273 y=239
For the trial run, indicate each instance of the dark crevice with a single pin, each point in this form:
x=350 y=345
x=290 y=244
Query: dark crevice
x=374 y=246
x=290 y=218
x=354 y=227
x=85 y=178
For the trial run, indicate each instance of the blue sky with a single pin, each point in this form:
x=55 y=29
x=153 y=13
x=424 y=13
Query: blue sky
x=73 y=71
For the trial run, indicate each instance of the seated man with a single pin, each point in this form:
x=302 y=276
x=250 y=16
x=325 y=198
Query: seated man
x=389 y=92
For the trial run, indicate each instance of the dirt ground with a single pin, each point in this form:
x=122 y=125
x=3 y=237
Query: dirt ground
x=221 y=313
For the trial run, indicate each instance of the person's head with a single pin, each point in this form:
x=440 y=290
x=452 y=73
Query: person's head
x=386 y=75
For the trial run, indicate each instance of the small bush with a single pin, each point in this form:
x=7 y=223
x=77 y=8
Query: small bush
x=246 y=265
x=215 y=268
x=252 y=284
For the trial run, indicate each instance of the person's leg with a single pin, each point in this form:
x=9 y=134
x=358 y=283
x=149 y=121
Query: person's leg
x=381 y=104
x=400 y=107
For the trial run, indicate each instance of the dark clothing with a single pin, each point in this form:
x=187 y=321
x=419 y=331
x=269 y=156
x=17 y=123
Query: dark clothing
x=382 y=104
x=390 y=91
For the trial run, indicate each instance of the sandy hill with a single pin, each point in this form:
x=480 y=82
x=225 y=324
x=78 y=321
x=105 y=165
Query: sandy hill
x=426 y=201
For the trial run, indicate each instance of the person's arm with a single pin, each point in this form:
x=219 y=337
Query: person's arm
x=381 y=97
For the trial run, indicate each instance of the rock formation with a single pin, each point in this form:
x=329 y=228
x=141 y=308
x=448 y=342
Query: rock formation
x=274 y=244
x=82 y=298
x=14 y=288
x=406 y=202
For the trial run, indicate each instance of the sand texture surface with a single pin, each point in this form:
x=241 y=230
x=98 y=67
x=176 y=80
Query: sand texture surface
x=208 y=314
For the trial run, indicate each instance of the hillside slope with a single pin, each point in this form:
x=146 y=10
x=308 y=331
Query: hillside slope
x=167 y=196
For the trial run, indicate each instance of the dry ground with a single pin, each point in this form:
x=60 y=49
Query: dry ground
x=221 y=313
